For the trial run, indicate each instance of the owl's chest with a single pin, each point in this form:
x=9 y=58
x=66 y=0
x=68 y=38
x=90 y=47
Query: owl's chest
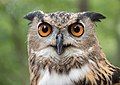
x=54 y=78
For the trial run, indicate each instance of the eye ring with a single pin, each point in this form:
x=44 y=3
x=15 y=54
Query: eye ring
x=44 y=29
x=76 y=29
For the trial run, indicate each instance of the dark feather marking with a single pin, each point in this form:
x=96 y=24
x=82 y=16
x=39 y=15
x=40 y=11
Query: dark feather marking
x=104 y=81
x=116 y=76
x=98 y=80
x=30 y=16
x=95 y=17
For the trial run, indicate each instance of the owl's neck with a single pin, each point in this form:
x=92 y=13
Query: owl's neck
x=92 y=69
x=101 y=71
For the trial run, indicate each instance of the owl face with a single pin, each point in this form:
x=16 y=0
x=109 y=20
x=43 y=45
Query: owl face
x=60 y=35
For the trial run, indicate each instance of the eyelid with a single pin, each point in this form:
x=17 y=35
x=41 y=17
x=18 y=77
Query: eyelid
x=41 y=23
x=81 y=22
x=78 y=23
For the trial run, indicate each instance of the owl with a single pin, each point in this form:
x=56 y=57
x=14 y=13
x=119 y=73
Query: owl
x=63 y=49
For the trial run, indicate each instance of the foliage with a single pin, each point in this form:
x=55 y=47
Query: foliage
x=13 y=33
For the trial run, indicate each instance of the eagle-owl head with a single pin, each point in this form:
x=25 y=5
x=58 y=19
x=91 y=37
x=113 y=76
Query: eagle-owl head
x=60 y=38
x=63 y=50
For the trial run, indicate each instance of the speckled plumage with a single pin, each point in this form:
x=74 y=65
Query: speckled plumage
x=82 y=61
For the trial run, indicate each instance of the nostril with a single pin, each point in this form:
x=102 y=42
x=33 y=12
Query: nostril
x=56 y=37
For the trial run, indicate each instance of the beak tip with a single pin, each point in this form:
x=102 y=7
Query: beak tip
x=59 y=52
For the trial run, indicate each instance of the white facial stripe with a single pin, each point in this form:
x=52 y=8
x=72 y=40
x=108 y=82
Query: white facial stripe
x=50 y=52
x=64 y=79
x=74 y=52
x=46 y=52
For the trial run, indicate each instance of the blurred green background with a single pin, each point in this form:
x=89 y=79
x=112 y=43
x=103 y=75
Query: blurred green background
x=13 y=32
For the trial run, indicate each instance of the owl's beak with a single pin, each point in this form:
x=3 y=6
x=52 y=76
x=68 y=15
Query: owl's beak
x=59 y=43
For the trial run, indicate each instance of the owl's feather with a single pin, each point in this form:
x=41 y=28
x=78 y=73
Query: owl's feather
x=95 y=17
x=30 y=16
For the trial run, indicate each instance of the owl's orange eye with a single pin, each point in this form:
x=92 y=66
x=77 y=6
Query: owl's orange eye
x=44 y=29
x=76 y=29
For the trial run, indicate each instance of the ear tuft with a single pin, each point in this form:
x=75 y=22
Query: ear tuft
x=95 y=17
x=30 y=16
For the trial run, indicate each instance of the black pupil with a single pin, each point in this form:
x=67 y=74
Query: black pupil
x=76 y=28
x=45 y=28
